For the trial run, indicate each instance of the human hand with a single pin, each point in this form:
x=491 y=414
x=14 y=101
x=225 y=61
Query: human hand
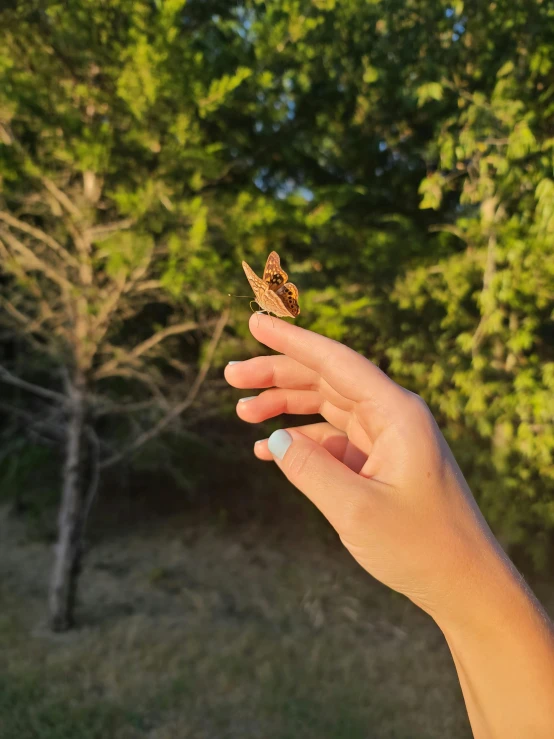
x=379 y=469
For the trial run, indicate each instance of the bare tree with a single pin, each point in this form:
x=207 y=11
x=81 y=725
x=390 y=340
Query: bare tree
x=78 y=291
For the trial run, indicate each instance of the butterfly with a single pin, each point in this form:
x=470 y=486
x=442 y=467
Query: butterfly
x=273 y=293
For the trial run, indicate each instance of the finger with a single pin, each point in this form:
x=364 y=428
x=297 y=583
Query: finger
x=283 y=372
x=335 y=441
x=345 y=370
x=339 y=493
x=274 y=402
x=271 y=371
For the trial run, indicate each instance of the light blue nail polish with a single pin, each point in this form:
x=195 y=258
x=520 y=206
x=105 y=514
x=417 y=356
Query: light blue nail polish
x=279 y=442
x=250 y=397
x=235 y=362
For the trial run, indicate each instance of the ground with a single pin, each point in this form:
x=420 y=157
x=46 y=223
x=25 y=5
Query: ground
x=195 y=630
x=231 y=612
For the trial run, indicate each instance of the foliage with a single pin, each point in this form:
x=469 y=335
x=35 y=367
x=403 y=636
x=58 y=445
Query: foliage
x=486 y=359
x=399 y=155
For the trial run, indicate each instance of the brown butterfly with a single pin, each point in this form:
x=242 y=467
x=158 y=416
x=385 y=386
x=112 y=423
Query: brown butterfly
x=273 y=293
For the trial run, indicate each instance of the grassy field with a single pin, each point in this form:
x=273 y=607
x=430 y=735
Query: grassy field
x=229 y=614
x=195 y=629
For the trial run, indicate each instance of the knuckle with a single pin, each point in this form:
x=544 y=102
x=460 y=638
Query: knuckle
x=286 y=402
x=421 y=429
x=272 y=379
x=323 y=407
x=419 y=408
x=263 y=369
x=266 y=371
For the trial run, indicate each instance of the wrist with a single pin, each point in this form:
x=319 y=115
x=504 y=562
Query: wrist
x=488 y=594
x=502 y=643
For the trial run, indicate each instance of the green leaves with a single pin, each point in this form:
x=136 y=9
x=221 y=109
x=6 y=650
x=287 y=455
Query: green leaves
x=139 y=80
x=336 y=133
x=521 y=141
x=429 y=91
x=124 y=251
x=431 y=189
x=506 y=69
x=545 y=205
x=370 y=74
x=220 y=90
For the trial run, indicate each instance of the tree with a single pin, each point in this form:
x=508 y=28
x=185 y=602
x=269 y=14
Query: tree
x=206 y=132
x=98 y=262
x=455 y=301
x=484 y=354
x=73 y=301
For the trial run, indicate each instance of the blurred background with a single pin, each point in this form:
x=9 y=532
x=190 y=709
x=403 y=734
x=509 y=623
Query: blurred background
x=155 y=579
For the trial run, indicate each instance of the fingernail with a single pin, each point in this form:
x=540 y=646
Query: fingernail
x=279 y=442
x=250 y=397
x=260 y=441
x=235 y=362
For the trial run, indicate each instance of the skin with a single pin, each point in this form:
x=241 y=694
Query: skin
x=381 y=472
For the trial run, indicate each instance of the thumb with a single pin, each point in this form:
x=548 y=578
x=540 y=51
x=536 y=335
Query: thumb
x=338 y=492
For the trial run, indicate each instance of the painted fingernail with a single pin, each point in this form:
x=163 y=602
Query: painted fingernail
x=250 y=397
x=260 y=441
x=279 y=442
x=235 y=362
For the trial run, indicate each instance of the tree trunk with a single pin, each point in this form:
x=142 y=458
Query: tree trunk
x=68 y=551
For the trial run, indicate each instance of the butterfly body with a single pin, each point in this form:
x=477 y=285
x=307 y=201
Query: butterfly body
x=273 y=293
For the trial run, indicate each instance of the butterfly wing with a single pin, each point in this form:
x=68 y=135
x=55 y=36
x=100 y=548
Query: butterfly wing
x=279 y=298
x=274 y=275
x=259 y=287
x=289 y=297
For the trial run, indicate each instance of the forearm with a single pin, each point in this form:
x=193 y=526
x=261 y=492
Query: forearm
x=502 y=643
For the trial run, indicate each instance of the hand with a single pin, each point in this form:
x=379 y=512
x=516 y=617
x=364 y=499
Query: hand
x=379 y=469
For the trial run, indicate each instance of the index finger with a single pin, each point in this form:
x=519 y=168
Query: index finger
x=346 y=371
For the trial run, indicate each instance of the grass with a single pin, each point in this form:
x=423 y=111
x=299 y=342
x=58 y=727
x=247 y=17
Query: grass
x=191 y=629
x=233 y=614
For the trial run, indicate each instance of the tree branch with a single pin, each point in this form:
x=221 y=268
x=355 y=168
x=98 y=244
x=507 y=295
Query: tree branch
x=14 y=312
x=185 y=404
x=32 y=326
x=144 y=286
x=438 y=227
x=42 y=392
x=140 y=377
x=60 y=196
x=108 y=228
x=101 y=323
x=12 y=266
x=34 y=262
x=178 y=328
x=144 y=346
x=31 y=421
x=39 y=235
